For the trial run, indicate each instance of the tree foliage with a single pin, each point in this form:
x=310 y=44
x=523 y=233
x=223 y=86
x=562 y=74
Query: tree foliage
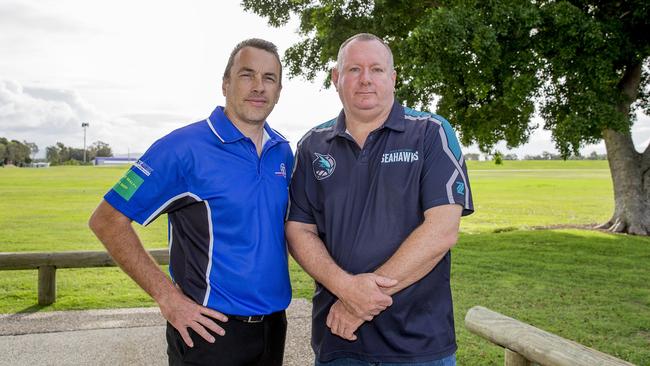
x=582 y=65
x=60 y=154
x=15 y=152
x=492 y=64
x=33 y=149
x=100 y=148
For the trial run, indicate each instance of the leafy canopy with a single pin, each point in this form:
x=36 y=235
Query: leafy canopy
x=491 y=63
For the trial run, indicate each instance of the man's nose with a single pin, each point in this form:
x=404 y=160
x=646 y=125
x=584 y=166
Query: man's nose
x=365 y=76
x=258 y=84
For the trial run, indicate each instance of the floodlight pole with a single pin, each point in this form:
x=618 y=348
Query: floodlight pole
x=85 y=125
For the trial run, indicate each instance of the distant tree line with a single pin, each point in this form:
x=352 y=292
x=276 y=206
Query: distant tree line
x=545 y=155
x=59 y=154
x=14 y=152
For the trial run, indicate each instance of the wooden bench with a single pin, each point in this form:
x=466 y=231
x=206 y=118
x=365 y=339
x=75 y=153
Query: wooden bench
x=48 y=263
x=526 y=345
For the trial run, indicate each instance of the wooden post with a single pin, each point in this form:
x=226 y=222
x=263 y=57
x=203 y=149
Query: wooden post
x=82 y=259
x=515 y=359
x=46 y=285
x=48 y=262
x=533 y=344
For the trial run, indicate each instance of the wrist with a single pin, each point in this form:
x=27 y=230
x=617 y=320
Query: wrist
x=165 y=294
x=340 y=284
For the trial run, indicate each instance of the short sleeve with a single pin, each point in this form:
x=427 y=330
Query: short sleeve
x=299 y=207
x=444 y=177
x=149 y=187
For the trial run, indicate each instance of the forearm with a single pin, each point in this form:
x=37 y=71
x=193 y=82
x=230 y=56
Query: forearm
x=124 y=246
x=423 y=248
x=114 y=230
x=311 y=254
x=361 y=293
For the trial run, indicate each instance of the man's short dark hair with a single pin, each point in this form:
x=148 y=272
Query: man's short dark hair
x=255 y=43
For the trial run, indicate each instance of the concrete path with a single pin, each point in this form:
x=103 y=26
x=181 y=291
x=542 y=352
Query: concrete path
x=116 y=337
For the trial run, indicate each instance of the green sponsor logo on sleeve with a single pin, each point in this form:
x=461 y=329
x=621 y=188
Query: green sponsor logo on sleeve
x=127 y=186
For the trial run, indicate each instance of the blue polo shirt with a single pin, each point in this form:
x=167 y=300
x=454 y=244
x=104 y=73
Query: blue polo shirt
x=225 y=207
x=365 y=202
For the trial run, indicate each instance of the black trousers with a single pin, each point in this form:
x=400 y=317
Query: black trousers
x=245 y=344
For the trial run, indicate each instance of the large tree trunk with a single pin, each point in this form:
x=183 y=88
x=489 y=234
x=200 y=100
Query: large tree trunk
x=630 y=169
x=631 y=177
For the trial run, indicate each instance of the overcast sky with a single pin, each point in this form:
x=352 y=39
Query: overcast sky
x=136 y=70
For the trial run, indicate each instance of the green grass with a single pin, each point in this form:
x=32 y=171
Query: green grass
x=48 y=209
x=587 y=286
x=524 y=194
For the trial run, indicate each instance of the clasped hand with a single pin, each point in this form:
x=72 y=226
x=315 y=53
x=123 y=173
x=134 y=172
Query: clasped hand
x=364 y=296
x=363 y=300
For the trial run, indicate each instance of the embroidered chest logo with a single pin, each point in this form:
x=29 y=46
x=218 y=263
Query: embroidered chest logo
x=323 y=166
x=283 y=171
x=400 y=156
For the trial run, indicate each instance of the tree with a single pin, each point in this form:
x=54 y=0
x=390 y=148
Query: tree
x=52 y=154
x=581 y=65
x=99 y=148
x=3 y=151
x=17 y=153
x=61 y=154
x=33 y=149
x=498 y=158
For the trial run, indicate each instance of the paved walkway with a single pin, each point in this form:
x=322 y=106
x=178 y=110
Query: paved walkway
x=116 y=337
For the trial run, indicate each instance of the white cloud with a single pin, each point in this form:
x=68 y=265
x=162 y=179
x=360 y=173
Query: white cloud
x=41 y=115
x=49 y=115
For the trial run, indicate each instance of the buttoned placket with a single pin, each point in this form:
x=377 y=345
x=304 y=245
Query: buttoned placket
x=259 y=158
x=367 y=146
x=364 y=152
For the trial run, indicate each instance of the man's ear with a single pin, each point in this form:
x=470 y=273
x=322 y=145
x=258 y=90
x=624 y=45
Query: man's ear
x=224 y=85
x=335 y=78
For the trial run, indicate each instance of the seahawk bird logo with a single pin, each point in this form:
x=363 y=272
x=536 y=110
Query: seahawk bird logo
x=323 y=166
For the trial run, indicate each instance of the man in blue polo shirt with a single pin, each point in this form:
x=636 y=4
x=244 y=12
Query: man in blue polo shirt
x=223 y=183
x=376 y=199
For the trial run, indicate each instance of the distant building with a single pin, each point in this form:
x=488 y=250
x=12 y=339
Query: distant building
x=40 y=165
x=114 y=160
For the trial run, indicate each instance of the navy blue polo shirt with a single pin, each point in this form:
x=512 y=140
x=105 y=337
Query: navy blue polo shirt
x=225 y=207
x=365 y=202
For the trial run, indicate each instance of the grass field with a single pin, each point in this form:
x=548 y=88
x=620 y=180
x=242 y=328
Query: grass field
x=587 y=286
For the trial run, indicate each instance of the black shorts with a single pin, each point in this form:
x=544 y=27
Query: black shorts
x=244 y=344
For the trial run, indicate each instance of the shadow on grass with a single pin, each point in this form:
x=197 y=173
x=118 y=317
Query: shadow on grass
x=32 y=309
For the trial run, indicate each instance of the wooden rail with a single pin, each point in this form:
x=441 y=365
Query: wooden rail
x=526 y=345
x=48 y=263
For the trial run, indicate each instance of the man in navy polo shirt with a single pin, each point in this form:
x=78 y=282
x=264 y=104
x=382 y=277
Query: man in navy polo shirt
x=376 y=199
x=223 y=183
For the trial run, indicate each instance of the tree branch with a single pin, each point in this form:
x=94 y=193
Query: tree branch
x=629 y=84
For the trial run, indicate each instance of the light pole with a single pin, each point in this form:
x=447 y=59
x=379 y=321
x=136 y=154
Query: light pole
x=85 y=125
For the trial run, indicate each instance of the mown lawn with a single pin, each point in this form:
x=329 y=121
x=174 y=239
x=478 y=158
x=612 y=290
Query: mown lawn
x=584 y=285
